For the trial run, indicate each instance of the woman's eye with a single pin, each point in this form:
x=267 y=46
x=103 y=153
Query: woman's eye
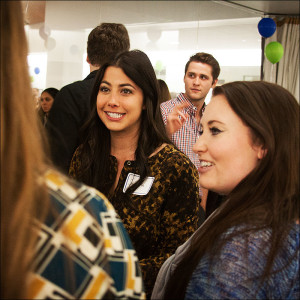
x=200 y=132
x=103 y=89
x=126 y=91
x=215 y=130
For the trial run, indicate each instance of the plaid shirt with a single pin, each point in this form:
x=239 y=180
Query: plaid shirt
x=186 y=136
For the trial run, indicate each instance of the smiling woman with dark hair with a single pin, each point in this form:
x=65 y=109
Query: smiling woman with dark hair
x=249 y=247
x=127 y=155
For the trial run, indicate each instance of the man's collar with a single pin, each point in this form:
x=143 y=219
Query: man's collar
x=183 y=98
x=191 y=106
x=91 y=75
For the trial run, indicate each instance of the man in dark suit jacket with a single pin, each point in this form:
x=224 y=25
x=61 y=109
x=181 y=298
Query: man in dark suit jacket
x=72 y=104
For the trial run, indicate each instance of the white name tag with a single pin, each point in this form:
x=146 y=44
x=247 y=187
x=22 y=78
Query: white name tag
x=143 y=189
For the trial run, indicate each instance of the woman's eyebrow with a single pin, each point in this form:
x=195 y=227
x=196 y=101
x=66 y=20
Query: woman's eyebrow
x=127 y=84
x=106 y=82
x=214 y=121
x=121 y=85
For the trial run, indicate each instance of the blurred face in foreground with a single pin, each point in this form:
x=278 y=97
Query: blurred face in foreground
x=225 y=148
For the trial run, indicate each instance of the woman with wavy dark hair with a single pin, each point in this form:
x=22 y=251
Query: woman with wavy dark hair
x=127 y=154
x=249 y=247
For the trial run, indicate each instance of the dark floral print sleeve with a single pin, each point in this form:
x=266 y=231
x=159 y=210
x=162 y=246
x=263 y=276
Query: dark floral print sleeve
x=178 y=192
x=161 y=218
x=75 y=166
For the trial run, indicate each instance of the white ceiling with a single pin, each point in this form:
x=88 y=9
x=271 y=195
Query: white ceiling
x=185 y=26
x=72 y=15
x=271 y=7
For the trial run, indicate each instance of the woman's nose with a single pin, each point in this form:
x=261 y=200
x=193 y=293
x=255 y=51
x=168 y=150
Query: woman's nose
x=113 y=100
x=200 y=145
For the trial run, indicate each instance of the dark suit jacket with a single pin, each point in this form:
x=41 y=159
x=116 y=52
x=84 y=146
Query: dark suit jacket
x=70 y=110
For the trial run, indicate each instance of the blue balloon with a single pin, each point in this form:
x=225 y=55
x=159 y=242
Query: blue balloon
x=266 y=27
x=36 y=70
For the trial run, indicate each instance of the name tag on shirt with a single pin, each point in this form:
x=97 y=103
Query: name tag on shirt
x=143 y=189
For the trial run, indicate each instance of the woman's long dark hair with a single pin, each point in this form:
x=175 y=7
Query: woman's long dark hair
x=96 y=144
x=269 y=196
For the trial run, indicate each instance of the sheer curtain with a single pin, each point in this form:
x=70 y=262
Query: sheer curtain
x=286 y=71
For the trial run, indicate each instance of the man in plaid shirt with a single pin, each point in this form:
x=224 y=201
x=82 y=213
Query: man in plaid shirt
x=182 y=115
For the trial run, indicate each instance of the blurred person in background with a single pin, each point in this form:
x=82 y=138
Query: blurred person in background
x=36 y=97
x=46 y=101
x=164 y=91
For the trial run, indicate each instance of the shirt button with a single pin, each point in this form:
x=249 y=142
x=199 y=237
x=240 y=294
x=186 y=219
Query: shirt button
x=129 y=163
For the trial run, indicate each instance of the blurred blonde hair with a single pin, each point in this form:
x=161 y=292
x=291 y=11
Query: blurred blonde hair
x=22 y=156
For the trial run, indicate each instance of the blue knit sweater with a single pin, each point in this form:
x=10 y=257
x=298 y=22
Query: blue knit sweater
x=233 y=277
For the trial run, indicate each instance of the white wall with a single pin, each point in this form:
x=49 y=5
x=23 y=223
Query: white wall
x=168 y=31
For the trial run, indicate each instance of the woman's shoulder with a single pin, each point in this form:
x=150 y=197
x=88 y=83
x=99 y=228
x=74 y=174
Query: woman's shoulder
x=243 y=257
x=170 y=162
x=257 y=242
x=68 y=190
x=170 y=152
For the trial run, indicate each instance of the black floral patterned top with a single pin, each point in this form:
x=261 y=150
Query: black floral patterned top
x=161 y=214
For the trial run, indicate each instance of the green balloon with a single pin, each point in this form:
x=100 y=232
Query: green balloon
x=159 y=65
x=274 y=52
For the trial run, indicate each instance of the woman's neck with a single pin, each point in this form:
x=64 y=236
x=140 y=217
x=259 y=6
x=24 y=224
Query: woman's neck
x=123 y=146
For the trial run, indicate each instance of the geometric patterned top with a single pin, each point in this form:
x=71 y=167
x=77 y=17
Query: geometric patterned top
x=83 y=249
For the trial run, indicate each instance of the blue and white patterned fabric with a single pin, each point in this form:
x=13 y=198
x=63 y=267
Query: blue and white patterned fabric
x=83 y=250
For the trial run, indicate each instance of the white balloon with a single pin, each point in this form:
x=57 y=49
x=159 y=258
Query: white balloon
x=44 y=32
x=74 y=49
x=154 y=34
x=50 y=43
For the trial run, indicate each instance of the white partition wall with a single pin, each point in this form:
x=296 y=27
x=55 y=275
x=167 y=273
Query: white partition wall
x=168 y=31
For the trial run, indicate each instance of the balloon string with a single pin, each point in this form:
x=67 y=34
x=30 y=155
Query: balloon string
x=272 y=74
x=26 y=9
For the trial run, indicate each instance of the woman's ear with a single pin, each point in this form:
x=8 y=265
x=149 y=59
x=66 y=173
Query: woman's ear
x=261 y=152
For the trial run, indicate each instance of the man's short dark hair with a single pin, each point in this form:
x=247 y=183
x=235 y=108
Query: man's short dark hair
x=205 y=58
x=105 y=41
